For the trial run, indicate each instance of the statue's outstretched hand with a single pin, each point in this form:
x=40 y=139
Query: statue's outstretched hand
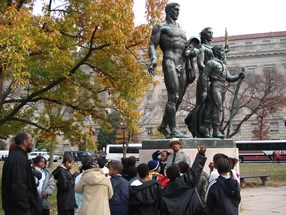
x=204 y=96
x=151 y=69
x=242 y=74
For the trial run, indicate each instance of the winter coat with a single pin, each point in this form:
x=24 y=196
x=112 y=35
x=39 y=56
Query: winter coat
x=180 y=196
x=65 y=186
x=19 y=191
x=119 y=202
x=97 y=190
x=223 y=196
x=48 y=188
x=144 y=199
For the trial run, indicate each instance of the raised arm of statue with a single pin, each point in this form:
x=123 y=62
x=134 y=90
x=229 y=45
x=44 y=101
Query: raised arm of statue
x=154 y=41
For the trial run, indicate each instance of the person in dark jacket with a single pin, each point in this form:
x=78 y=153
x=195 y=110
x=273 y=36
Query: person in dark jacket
x=180 y=196
x=144 y=195
x=65 y=186
x=119 y=202
x=19 y=191
x=223 y=194
x=202 y=184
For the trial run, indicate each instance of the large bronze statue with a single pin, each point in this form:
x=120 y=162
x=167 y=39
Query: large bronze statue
x=199 y=119
x=216 y=74
x=172 y=41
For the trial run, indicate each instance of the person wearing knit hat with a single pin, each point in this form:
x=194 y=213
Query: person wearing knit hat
x=153 y=165
x=154 y=172
x=178 y=154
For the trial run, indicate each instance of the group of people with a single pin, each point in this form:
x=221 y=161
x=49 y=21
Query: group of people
x=167 y=184
x=179 y=71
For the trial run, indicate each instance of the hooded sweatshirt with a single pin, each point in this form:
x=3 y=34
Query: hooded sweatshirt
x=223 y=196
x=97 y=190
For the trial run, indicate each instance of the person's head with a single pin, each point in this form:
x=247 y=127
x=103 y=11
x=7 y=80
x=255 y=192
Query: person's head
x=124 y=162
x=175 y=144
x=173 y=172
x=216 y=157
x=102 y=162
x=142 y=170
x=131 y=161
x=223 y=165
x=40 y=162
x=24 y=141
x=68 y=160
x=183 y=167
x=218 y=51
x=172 y=10
x=88 y=163
x=207 y=34
x=154 y=165
x=232 y=162
x=164 y=155
x=115 y=167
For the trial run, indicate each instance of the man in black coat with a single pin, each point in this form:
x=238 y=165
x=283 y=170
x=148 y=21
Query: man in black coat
x=19 y=191
x=180 y=197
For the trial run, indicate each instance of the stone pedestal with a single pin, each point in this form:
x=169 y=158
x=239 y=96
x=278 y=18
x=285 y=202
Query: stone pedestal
x=225 y=146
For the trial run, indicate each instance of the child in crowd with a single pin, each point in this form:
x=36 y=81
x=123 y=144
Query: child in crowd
x=144 y=195
x=65 y=186
x=119 y=202
x=154 y=173
x=223 y=194
x=201 y=185
x=129 y=168
x=162 y=160
x=46 y=183
x=180 y=196
x=97 y=190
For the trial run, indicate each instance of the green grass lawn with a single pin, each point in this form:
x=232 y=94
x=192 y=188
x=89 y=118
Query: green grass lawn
x=277 y=172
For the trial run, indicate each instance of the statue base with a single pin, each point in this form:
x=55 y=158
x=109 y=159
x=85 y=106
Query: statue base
x=213 y=145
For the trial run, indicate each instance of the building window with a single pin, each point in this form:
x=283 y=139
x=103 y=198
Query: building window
x=269 y=68
x=149 y=131
x=283 y=43
x=251 y=70
x=254 y=126
x=232 y=46
x=233 y=70
x=273 y=127
x=266 y=44
x=249 y=46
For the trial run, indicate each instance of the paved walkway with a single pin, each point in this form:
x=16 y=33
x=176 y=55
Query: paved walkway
x=263 y=201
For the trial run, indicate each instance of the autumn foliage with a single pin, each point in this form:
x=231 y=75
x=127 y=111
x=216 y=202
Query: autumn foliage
x=63 y=70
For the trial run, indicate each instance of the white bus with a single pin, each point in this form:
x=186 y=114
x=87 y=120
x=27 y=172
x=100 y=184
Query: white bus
x=115 y=151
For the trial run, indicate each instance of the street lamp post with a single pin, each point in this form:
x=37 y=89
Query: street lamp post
x=123 y=128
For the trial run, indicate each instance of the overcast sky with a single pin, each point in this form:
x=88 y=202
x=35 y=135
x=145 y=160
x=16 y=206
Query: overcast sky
x=240 y=17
